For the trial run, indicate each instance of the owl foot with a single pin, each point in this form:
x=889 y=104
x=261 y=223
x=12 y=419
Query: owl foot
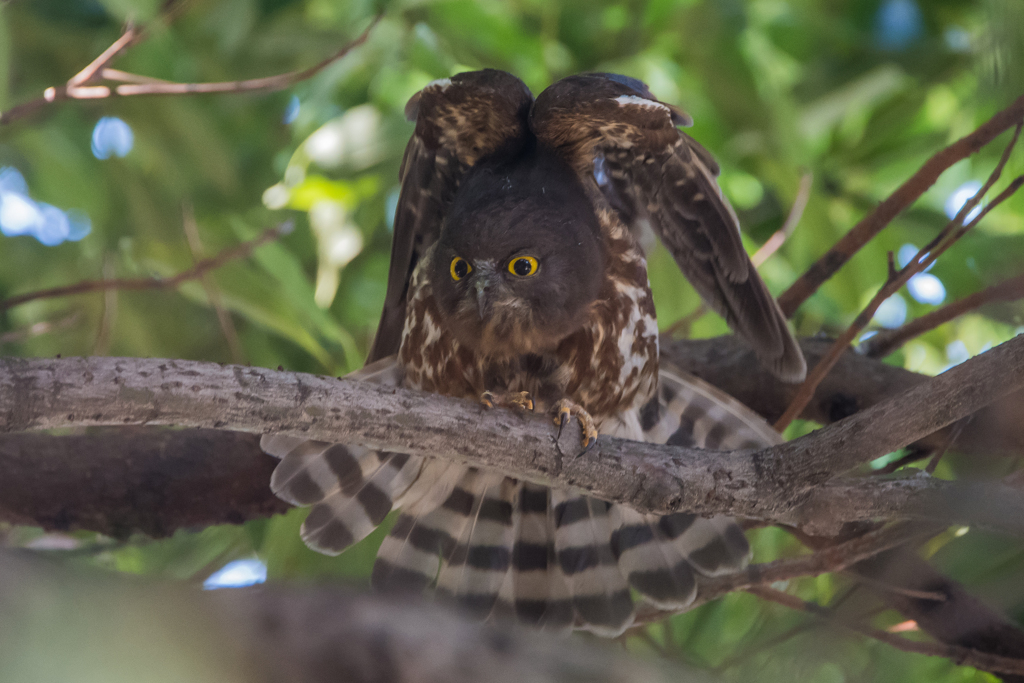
x=512 y=399
x=566 y=409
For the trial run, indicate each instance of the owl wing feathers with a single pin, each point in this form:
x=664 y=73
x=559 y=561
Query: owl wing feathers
x=615 y=133
x=459 y=121
x=498 y=546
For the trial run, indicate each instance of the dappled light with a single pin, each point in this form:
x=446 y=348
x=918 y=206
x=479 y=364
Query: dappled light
x=197 y=208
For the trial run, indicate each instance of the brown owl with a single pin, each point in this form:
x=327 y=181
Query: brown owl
x=517 y=278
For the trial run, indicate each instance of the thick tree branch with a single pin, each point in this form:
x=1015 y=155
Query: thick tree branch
x=156 y=480
x=140 y=479
x=767 y=484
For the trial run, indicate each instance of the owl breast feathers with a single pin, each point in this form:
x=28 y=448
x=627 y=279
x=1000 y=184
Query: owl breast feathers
x=516 y=267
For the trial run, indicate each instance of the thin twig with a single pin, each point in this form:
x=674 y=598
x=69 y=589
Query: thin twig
x=132 y=85
x=796 y=212
x=960 y=655
x=682 y=326
x=41 y=327
x=108 y=318
x=240 y=251
x=954 y=434
x=887 y=341
x=227 y=326
x=90 y=74
x=953 y=231
x=895 y=204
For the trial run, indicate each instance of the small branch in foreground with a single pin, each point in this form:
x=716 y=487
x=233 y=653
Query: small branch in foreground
x=896 y=203
x=960 y=655
x=83 y=85
x=948 y=236
x=202 y=267
x=887 y=341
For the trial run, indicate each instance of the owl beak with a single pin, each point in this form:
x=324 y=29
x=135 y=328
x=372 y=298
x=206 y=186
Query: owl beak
x=483 y=303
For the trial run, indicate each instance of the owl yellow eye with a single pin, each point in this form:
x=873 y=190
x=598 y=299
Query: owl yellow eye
x=460 y=268
x=523 y=266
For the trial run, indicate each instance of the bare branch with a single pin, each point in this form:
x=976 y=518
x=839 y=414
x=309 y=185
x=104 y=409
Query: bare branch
x=767 y=484
x=887 y=341
x=227 y=326
x=796 y=212
x=899 y=200
x=953 y=231
x=133 y=85
x=202 y=267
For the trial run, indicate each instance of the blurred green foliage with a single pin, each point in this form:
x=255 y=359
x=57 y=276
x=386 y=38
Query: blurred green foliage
x=859 y=94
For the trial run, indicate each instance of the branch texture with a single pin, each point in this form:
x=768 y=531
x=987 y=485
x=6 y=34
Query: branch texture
x=768 y=484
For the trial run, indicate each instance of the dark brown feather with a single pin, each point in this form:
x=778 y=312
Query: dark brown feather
x=650 y=170
x=459 y=121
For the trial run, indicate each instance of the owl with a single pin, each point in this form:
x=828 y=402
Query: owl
x=518 y=278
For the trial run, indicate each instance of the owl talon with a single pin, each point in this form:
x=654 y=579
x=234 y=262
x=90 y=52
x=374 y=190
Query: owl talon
x=566 y=409
x=512 y=399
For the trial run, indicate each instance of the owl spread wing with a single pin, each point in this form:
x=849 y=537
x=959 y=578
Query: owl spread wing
x=459 y=121
x=616 y=135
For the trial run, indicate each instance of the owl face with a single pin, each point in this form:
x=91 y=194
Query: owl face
x=519 y=261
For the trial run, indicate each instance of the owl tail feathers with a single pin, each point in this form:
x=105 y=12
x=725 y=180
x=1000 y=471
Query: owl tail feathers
x=350 y=489
x=483 y=540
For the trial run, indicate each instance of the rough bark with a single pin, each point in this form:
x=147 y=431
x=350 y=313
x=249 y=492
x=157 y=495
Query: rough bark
x=138 y=479
x=767 y=484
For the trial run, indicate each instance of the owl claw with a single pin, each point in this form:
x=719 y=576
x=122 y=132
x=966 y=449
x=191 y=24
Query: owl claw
x=512 y=399
x=566 y=409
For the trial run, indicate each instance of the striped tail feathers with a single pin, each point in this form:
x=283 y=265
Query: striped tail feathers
x=534 y=589
x=664 y=557
x=410 y=556
x=473 y=572
x=687 y=411
x=598 y=592
x=351 y=489
x=655 y=567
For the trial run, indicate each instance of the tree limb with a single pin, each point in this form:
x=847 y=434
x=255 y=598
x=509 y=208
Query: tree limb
x=767 y=484
x=903 y=197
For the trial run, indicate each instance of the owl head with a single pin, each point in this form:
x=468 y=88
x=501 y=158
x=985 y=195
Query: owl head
x=519 y=261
